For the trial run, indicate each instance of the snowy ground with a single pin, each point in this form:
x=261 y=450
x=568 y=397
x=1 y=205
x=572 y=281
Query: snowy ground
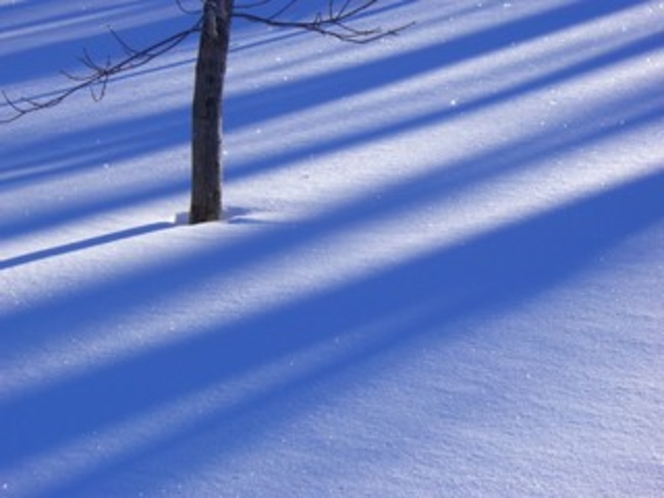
x=441 y=272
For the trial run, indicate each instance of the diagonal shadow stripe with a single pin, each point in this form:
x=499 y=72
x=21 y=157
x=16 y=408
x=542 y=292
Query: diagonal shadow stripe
x=83 y=244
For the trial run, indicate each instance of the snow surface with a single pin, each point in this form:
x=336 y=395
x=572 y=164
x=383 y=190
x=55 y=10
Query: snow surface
x=441 y=272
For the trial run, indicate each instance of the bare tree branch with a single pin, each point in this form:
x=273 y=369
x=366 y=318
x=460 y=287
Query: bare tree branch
x=334 y=22
x=99 y=73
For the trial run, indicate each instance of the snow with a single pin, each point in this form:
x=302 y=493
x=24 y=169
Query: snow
x=440 y=271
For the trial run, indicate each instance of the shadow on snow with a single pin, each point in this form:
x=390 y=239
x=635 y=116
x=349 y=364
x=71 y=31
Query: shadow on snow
x=492 y=271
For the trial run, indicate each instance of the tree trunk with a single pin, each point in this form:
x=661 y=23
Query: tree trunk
x=207 y=111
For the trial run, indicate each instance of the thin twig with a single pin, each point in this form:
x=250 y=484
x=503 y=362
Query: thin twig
x=334 y=22
x=99 y=76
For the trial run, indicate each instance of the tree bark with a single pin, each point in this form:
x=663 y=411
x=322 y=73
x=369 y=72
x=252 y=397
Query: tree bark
x=207 y=111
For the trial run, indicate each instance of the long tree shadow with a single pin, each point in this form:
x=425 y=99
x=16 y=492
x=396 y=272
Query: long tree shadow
x=420 y=189
x=492 y=271
x=322 y=88
x=83 y=150
x=124 y=142
x=641 y=46
x=83 y=244
x=452 y=178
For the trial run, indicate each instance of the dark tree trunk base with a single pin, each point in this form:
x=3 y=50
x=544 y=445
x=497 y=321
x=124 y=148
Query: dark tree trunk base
x=205 y=213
